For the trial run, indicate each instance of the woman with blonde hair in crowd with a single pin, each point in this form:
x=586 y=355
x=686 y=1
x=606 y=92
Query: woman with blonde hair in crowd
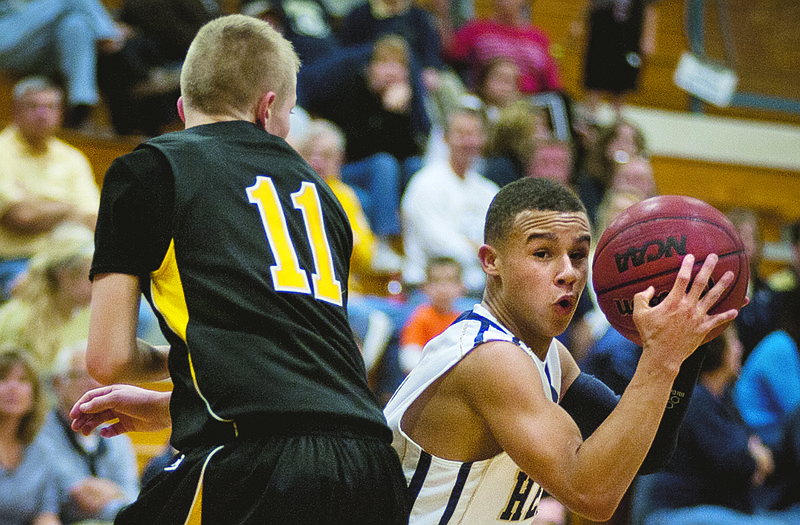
x=511 y=144
x=28 y=486
x=50 y=306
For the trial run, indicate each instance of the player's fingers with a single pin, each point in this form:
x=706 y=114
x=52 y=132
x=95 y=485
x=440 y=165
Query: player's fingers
x=701 y=280
x=713 y=321
x=113 y=430
x=710 y=299
x=86 y=402
x=683 y=278
x=642 y=299
x=86 y=423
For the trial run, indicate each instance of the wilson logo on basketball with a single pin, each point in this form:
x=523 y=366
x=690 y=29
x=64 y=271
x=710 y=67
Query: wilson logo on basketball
x=657 y=249
x=625 y=306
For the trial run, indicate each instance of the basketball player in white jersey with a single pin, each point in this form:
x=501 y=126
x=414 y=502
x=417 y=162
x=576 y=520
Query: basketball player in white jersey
x=497 y=411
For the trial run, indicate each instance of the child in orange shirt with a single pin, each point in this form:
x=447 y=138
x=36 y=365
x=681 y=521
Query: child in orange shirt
x=443 y=287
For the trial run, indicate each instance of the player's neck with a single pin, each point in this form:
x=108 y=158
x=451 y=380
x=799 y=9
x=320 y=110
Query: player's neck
x=196 y=118
x=539 y=344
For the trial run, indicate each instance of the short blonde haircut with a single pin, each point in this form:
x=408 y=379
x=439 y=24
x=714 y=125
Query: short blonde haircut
x=232 y=62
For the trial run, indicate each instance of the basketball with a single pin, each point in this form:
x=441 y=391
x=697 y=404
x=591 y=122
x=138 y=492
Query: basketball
x=644 y=246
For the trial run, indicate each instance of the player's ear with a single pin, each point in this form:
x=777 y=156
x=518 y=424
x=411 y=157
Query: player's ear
x=180 y=110
x=489 y=259
x=263 y=109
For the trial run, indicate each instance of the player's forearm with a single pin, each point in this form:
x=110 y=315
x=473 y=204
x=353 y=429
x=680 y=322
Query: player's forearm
x=114 y=353
x=610 y=458
x=149 y=364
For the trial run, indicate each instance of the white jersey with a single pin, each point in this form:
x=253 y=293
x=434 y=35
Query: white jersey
x=493 y=490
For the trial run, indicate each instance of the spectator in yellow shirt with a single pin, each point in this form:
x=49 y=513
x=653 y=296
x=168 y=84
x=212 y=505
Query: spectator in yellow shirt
x=322 y=146
x=43 y=180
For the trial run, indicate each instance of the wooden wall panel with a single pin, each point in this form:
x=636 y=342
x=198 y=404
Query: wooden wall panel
x=766 y=34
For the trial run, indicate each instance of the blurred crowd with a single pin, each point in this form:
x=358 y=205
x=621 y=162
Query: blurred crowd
x=415 y=113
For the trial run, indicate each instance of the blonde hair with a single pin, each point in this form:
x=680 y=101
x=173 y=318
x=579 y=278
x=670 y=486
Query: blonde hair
x=391 y=48
x=318 y=128
x=514 y=133
x=232 y=62
x=11 y=356
x=68 y=247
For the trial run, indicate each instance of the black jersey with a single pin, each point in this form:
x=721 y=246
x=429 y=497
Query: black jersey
x=244 y=253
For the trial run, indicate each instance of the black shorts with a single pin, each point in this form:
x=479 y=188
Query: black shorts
x=325 y=478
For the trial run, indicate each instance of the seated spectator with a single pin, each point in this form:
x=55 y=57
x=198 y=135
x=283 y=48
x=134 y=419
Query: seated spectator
x=634 y=176
x=788 y=279
x=614 y=144
x=99 y=475
x=322 y=146
x=370 y=94
x=443 y=287
x=497 y=86
x=59 y=38
x=50 y=307
x=140 y=87
x=596 y=345
x=782 y=490
x=512 y=140
x=718 y=460
x=507 y=33
x=449 y=15
x=368 y=22
x=761 y=315
x=43 y=180
x=769 y=387
x=445 y=203
x=307 y=24
x=28 y=482
x=140 y=81
x=552 y=159
x=171 y=24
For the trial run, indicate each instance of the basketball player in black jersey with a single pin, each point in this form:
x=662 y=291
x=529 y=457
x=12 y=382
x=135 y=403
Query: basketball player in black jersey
x=243 y=252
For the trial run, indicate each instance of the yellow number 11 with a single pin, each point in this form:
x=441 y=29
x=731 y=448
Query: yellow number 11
x=287 y=276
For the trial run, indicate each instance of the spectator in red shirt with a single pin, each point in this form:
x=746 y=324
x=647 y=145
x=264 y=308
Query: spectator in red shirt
x=509 y=33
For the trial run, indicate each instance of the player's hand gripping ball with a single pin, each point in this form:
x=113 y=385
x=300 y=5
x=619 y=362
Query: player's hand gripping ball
x=644 y=246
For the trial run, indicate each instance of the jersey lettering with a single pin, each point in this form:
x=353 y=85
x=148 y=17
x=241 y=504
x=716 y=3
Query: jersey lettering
x=534 y=505
x=519 y=495
x=287 y=275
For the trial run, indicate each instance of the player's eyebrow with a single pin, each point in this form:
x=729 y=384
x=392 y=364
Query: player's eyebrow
x=549 y=236
x=535 y=236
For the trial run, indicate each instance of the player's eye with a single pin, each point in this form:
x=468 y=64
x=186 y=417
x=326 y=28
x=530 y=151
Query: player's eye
x=579 y=255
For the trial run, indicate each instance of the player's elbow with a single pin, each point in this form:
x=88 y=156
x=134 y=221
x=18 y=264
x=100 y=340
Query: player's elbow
x=101 y=365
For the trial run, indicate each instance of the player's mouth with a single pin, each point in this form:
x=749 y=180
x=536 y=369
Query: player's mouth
x=565 y=304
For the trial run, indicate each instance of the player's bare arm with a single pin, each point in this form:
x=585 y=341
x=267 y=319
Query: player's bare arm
x=114 y=353
x=495 y=386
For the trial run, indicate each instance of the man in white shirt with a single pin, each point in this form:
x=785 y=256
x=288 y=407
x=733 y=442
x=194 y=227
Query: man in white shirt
x=445 y=203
